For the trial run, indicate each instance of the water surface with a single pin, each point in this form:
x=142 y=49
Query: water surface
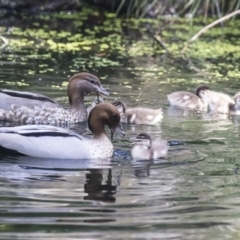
x=192 y=194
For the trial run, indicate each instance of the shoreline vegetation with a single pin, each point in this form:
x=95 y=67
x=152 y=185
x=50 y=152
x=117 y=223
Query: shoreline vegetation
x=110 y=37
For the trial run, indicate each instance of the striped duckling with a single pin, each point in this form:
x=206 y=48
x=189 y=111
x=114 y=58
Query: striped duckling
x=146 y=148
x=53 y=142
x=138 y=115
x=79 y=85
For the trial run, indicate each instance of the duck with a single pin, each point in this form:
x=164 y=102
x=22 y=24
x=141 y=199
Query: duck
x=138 y=115
x=188 y=100
x=218 y=102
x=31 y=99
x=79 y=85
x=146 y=149
x=46 y=141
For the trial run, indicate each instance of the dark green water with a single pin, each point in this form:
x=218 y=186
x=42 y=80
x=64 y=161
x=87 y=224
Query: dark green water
x=193 y=194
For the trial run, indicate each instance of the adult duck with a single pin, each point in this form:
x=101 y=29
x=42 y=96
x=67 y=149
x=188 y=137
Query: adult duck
x=79 y=85
x=30 y=99
x=54 y=142
x=146 y=148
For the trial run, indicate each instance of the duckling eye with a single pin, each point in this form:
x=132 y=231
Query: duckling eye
x=92 y=81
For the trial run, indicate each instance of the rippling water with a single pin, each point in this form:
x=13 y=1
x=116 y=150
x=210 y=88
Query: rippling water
x=192 y=194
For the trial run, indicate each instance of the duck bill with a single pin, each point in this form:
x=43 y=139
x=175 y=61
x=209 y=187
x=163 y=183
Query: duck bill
x=119 y=129
x=102 y=90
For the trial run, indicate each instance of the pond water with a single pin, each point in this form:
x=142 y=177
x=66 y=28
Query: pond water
x=192 y=194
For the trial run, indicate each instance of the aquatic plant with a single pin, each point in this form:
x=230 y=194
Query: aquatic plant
x=93 y=40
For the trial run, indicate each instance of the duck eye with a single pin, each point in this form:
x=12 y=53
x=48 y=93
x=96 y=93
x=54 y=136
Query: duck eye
x=91 y=80
x=114 y=116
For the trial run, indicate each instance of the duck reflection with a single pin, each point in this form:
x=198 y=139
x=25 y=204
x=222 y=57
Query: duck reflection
x=100 y=191
x=141 y=169
x=63 y=173
x=97 y=189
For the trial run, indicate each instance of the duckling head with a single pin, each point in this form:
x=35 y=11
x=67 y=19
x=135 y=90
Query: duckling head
x=200 y=91
x=142 y=139
x=120 y=106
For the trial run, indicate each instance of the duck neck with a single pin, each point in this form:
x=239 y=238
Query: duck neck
x=76 y=94
x=98 y=129
x=77 y=101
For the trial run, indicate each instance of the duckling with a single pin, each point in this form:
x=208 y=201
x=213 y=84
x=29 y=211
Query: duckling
x=218 y=102
x=189 y=100
x=79 y=85
x=138 y=115
x=53 y=142
x=145 y=148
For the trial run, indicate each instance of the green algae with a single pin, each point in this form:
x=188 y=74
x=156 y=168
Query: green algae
x=108 y=41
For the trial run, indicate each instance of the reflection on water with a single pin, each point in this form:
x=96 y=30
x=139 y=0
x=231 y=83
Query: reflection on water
x=97 y=190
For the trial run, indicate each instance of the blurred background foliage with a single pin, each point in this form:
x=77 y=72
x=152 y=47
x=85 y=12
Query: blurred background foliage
x=98 y=34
